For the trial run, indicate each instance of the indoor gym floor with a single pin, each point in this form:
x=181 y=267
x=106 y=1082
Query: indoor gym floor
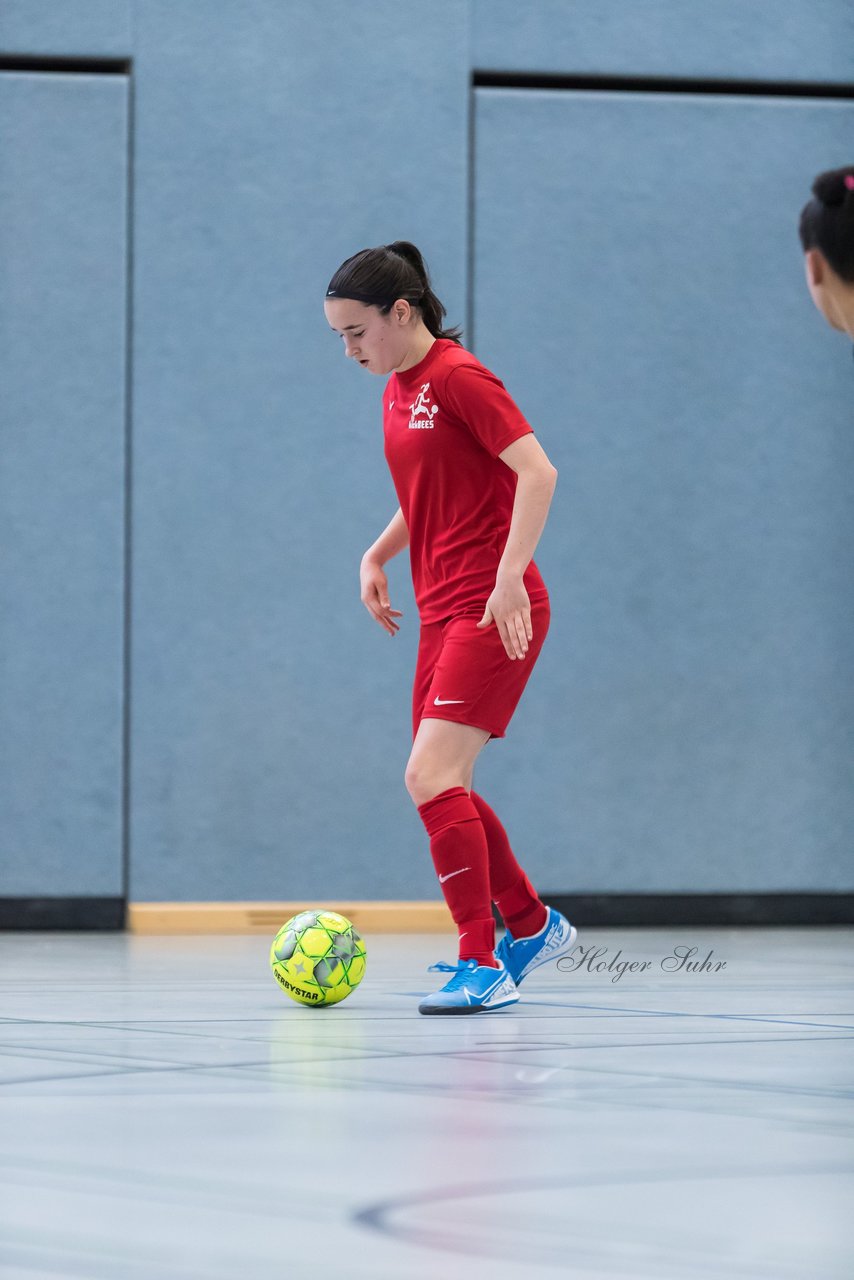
x=168 y=1113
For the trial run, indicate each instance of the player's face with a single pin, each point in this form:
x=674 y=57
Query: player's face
x=376 y=341
x=821 y=282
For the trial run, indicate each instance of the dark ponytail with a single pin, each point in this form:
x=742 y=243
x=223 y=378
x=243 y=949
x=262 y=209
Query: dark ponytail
x=378 y=277
x=827 y=221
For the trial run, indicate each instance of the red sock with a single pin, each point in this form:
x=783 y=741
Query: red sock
x=513 y=894
x=458 y=846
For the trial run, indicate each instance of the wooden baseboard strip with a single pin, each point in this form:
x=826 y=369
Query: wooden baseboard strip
x=267 y=917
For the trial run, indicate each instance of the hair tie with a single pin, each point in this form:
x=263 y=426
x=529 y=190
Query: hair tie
x=849 y=181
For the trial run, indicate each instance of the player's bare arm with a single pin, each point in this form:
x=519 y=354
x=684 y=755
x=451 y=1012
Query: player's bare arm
x=508 y=606
x=372 y=577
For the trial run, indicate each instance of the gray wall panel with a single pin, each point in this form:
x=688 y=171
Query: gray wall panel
x=270 y=713
x=730 y=39
x=639 y=282
x=63 y=213
x=80 y=28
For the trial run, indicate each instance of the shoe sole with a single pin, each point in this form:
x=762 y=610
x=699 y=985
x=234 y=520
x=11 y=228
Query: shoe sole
x=454 y=1010
x=553 y=955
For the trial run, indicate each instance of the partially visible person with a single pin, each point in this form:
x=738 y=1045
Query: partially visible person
x=827 y=236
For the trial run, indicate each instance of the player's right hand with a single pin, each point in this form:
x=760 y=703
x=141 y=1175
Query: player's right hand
x=375 y=596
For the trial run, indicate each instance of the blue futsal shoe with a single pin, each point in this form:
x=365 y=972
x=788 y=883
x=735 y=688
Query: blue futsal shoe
x=521 y=955
x=474 y=988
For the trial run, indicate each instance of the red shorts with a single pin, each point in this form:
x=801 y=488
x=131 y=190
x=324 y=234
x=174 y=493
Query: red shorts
x=465 y=675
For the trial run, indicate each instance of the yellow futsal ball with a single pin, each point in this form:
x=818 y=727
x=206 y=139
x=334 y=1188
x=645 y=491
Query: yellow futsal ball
x=318 y=958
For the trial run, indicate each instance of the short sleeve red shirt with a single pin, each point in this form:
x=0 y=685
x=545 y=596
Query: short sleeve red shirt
x=445 y=422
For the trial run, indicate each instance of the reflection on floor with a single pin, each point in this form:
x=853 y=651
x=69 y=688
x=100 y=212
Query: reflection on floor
x=167 y=1113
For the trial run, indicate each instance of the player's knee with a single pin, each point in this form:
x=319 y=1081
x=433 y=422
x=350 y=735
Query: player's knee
x=415 y=782
x=424 y=781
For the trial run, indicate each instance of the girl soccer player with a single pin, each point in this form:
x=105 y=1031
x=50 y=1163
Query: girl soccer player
x=827 y=237
x=453 y=441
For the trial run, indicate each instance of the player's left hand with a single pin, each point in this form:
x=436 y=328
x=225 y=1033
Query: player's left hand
x=510 y=609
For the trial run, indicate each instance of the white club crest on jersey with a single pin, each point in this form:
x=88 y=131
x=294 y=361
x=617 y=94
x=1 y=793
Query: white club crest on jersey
x=422 y=413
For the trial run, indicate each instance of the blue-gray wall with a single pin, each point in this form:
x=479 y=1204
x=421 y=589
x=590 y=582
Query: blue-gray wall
x=635 y=278
x=63 y=254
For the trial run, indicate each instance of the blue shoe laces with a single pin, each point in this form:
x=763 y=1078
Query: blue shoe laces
x=461 y=970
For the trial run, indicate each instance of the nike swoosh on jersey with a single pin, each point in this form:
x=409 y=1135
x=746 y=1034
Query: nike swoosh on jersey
x=446 y=702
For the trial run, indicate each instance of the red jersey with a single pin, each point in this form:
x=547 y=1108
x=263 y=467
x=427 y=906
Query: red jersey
x=445 y=422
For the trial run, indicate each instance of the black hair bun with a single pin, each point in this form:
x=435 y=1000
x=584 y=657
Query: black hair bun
x=830 y=187
x=406 y=249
